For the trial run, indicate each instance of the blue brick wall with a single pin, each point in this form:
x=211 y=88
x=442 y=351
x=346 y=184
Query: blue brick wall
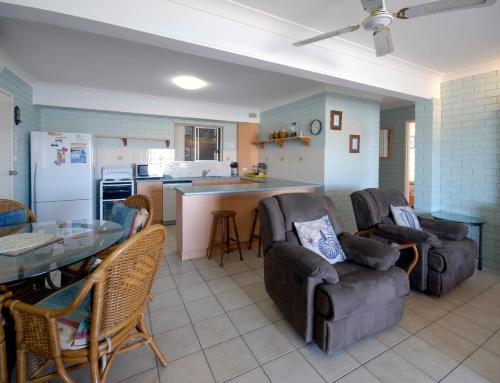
x=327 y=160
x=294 y=161
x=346 y=172
x=470 y=154
x=23 y=97
x=392 y=171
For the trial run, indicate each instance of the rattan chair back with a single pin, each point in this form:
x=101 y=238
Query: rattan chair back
x=7 y=205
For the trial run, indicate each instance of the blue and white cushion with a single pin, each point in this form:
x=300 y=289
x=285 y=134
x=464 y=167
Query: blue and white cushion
x=405 y=216
x=319 y=236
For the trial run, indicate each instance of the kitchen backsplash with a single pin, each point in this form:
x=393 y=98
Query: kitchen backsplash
x=111 y=152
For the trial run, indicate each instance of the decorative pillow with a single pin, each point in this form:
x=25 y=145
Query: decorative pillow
x=132 y=220
x=74 y=327
x=13 y=218
x=319 y=236
x=404 y=216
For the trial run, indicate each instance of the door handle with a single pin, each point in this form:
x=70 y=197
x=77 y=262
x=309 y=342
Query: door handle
x=12 y=172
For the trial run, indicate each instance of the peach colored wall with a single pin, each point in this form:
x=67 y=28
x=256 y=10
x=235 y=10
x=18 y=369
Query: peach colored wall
x=247 y=152
x=194 y=217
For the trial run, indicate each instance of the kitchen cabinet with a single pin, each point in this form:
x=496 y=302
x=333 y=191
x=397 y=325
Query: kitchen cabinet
x=169 y=203
x=154 y=190
x=247 y=152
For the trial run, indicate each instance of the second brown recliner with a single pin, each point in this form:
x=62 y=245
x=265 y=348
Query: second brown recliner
x=447 y=256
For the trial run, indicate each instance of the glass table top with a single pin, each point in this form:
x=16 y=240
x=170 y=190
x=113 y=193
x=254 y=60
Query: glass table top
x=80 y=240
x=461 y=218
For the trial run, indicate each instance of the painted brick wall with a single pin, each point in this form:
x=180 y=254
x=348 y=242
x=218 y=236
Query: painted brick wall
x=428 y=154
x=136 y=125
x=295 y=161
x=392 y=171
x=23 y=97
x=327 y=160
x=470 y=156
x=346 y=172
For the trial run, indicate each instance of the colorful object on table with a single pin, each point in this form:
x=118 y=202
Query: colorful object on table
x=13 y=218
x=132 y=220
x=405 y=216
x=251 y=175
x=319 y=237
x=74 y=327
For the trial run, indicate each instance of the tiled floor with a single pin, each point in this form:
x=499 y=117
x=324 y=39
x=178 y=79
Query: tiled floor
x=218 y=324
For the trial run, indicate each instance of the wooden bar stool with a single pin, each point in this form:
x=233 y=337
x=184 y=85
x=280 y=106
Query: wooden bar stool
x=252 y=233
x=220 y=223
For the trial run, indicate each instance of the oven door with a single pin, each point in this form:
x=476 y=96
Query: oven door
x=115 y=192
x=107 y=207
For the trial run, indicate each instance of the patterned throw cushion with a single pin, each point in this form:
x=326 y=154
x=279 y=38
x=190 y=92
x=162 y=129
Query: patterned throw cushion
x=319 y=236
x=12 y=218
x=73 y=327
x=132 y=220
x=404 y=216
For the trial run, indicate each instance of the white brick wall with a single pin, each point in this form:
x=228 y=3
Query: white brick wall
x=470 y=153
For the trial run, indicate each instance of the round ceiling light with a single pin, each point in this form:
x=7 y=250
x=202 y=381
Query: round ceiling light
x=189 y=82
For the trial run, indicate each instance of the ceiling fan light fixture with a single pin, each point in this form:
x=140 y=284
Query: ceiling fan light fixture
x=189 y=82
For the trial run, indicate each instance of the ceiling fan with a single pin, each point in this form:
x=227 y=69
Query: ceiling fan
x=380 y=19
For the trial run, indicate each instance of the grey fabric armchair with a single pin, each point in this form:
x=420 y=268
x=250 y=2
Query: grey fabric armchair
x=447 y=256
x=334 y=305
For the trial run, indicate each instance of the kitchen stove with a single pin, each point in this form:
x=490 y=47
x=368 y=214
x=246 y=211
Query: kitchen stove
x=117 y=184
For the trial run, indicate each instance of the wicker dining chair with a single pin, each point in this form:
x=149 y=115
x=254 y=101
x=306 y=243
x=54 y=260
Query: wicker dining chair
x=120 y=288
x=73 y=273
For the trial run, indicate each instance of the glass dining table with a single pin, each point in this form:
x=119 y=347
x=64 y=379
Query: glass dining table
x=78 y=240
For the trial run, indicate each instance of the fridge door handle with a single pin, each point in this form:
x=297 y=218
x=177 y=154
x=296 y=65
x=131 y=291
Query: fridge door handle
x=34 y=188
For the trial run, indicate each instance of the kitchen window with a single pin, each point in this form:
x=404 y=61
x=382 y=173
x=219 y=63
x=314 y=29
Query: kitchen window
x=198 y=143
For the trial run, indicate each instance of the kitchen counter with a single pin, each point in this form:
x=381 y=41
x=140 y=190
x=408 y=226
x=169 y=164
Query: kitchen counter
x=175 y=180
x=195 y=204
x=250 y=185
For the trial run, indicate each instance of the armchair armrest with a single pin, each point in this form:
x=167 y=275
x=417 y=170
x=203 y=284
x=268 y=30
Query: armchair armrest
x=407 y=234
x=304 y=261
x=449 y=230
x=367 y=252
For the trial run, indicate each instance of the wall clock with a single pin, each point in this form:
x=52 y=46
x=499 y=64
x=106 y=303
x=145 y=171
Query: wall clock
x=315 y=127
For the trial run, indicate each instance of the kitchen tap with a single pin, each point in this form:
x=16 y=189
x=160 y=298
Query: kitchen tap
x=205 y=172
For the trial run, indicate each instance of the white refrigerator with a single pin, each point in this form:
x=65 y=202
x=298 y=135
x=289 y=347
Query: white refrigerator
x=62 y=180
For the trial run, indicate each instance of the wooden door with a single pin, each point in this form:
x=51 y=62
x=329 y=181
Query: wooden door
x=247 y=152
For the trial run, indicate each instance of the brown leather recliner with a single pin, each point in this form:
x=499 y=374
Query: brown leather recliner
x=334 y=305
x=447 y=256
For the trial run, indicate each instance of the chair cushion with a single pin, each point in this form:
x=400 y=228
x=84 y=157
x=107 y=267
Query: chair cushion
x=14 y=217
x=319 y=237
x=451 y=254
x=358 y=289
x=132 y=220
x=404 y=216
x=73 y=327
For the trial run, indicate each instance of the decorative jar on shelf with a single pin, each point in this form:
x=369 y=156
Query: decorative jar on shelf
x=283 y=133
x=272 y=135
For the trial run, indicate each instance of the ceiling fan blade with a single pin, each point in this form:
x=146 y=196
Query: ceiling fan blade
x=324 y=36
x=383 y=42
x=369 y=5
x=441 y=6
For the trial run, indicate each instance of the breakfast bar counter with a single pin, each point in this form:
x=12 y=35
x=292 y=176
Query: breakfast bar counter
x=197 y=201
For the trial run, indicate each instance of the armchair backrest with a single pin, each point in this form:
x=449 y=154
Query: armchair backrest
x=140 y=201
x=372 y=206
x=278 y=213
x=128 y=275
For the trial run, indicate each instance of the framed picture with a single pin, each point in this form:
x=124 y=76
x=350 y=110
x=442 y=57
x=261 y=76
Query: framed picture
x=354 y=143
x=385 y=144
x=187 y=153
x=335 y=120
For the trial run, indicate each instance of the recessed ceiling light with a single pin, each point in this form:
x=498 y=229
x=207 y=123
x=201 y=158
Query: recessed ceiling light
x=189 y=82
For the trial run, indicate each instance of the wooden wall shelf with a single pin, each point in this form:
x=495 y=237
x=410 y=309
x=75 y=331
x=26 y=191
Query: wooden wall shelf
x=126 y=139
x=281 y=141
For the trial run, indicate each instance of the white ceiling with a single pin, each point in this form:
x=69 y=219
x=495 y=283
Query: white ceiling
x=65 y=56
x=444 y=42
